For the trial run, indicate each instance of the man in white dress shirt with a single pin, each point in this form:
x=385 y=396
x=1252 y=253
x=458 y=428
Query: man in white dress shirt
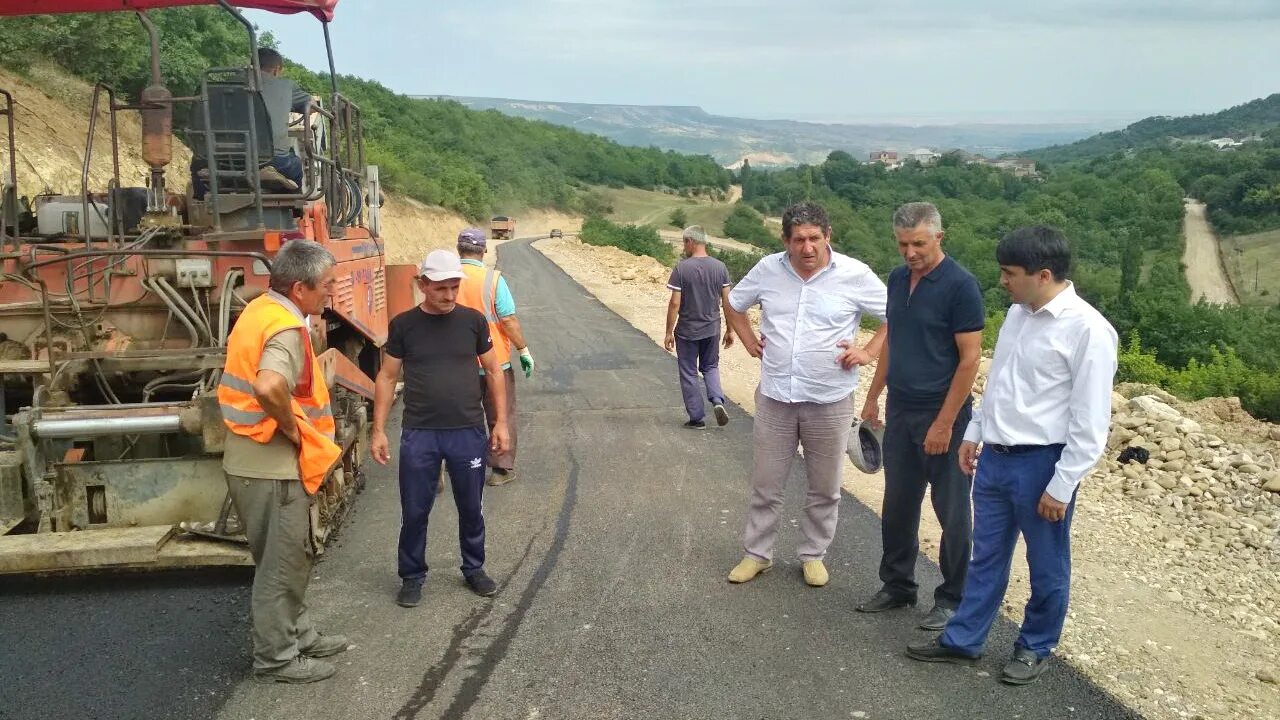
x=812 y=300
x=1042 y=426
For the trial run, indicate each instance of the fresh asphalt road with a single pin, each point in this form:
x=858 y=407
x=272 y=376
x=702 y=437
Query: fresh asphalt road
x=611 y=550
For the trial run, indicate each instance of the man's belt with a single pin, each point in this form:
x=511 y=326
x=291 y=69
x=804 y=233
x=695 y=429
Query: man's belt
x=1015 y=449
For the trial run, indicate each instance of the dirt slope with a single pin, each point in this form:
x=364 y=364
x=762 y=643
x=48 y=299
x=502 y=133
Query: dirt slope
x=51 y=115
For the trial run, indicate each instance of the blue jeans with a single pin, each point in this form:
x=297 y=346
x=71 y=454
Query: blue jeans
x=289 y=165
x=1006 y=492
x=421 y=452
x=692 y=357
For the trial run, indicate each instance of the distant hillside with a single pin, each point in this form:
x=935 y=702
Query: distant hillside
x=772 y=142
x=1251 y=118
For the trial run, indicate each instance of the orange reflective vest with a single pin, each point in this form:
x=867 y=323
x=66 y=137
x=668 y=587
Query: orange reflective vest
x=244 y=415
x=479 y=291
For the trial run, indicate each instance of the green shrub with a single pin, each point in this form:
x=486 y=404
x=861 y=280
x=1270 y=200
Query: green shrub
x=739 y=263
x=635 y=239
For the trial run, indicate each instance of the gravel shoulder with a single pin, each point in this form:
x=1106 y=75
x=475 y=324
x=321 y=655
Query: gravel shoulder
x=1175 y=582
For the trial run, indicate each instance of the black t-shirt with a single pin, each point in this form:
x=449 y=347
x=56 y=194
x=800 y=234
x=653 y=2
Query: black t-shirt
x=442 y=382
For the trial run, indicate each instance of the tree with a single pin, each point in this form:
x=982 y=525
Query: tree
x=678 y=218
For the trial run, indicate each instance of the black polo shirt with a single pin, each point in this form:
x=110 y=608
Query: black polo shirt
x=922 y=329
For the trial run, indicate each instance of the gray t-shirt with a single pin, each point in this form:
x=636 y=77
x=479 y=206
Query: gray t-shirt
x=281 y=95
x=700 y=281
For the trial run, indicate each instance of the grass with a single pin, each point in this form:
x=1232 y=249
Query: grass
x=1253 y=262
x=647 y=207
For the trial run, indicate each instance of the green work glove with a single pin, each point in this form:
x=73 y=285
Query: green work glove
x=526 y=362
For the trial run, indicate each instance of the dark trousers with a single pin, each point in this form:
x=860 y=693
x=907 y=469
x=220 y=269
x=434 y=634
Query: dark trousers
x=289 y=165
x=421 y=452
x=506 y=460
x=1006 y=492
x=699 y=356
x=908 y=471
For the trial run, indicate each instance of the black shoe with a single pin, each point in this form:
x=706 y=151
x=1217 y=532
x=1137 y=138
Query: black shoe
x=722 y=415
x=884 y=600
x=481 y=584
x=696 y=424
x=410 y=593
x=932 y=651
x=1024 y=667
x=937 y=618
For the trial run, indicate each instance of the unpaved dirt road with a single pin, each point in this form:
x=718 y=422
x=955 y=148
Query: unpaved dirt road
x=1205 y=273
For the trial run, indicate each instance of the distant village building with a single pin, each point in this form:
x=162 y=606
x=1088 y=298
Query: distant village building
x=924 y=156
x=1225 y=143
x=1019 y=166
x=888 y=158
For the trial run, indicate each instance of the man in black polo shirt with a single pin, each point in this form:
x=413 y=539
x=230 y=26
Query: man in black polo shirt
x=936 y=317
x=437 y=344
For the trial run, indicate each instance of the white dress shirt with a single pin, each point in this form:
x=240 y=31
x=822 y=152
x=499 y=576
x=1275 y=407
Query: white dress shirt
x=802 y=320
x=1050 y=383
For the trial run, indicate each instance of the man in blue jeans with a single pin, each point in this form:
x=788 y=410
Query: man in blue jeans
x=1043 y=425
x=436 y=344
x=699 y=289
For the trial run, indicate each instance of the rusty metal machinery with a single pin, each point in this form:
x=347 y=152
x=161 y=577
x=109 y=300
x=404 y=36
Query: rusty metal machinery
x=113 y=327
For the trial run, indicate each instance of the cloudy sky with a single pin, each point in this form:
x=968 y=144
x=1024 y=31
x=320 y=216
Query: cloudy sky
x=839 y=60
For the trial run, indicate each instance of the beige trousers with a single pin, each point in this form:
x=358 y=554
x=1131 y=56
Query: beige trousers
x=822 y=430
x=277 y=521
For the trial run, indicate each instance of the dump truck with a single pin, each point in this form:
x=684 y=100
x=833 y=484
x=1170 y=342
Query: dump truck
x=502 y=227
x=116 y=305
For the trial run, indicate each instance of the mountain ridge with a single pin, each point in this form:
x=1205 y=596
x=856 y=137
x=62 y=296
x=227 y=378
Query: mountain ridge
x=691 y=129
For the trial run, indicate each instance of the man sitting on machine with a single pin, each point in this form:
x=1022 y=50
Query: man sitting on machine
x=280 y=96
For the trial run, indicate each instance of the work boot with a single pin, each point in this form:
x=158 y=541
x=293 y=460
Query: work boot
x=301 y=669
x=481 y=584
x=748 y=569
x=410 y=593
x=500 y=476
x=815 y=573
x=325 y=646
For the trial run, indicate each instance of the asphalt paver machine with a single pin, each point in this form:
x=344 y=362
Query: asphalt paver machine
x=116 y=305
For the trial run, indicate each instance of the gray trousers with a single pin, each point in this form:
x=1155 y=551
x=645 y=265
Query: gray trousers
x=823 y=431
x=277 y=521
x=506 y=459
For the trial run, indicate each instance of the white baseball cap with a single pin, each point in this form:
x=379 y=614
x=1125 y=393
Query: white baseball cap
x=441 y=265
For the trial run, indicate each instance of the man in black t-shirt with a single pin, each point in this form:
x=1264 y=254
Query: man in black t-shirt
x=436 y=344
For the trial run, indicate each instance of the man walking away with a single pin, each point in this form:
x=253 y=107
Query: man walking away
x=485 y=290
x=1042 y=425
x=699 y=288
x=812 y=300
x=273 y=396
x=929 y=364
x=436 y=344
